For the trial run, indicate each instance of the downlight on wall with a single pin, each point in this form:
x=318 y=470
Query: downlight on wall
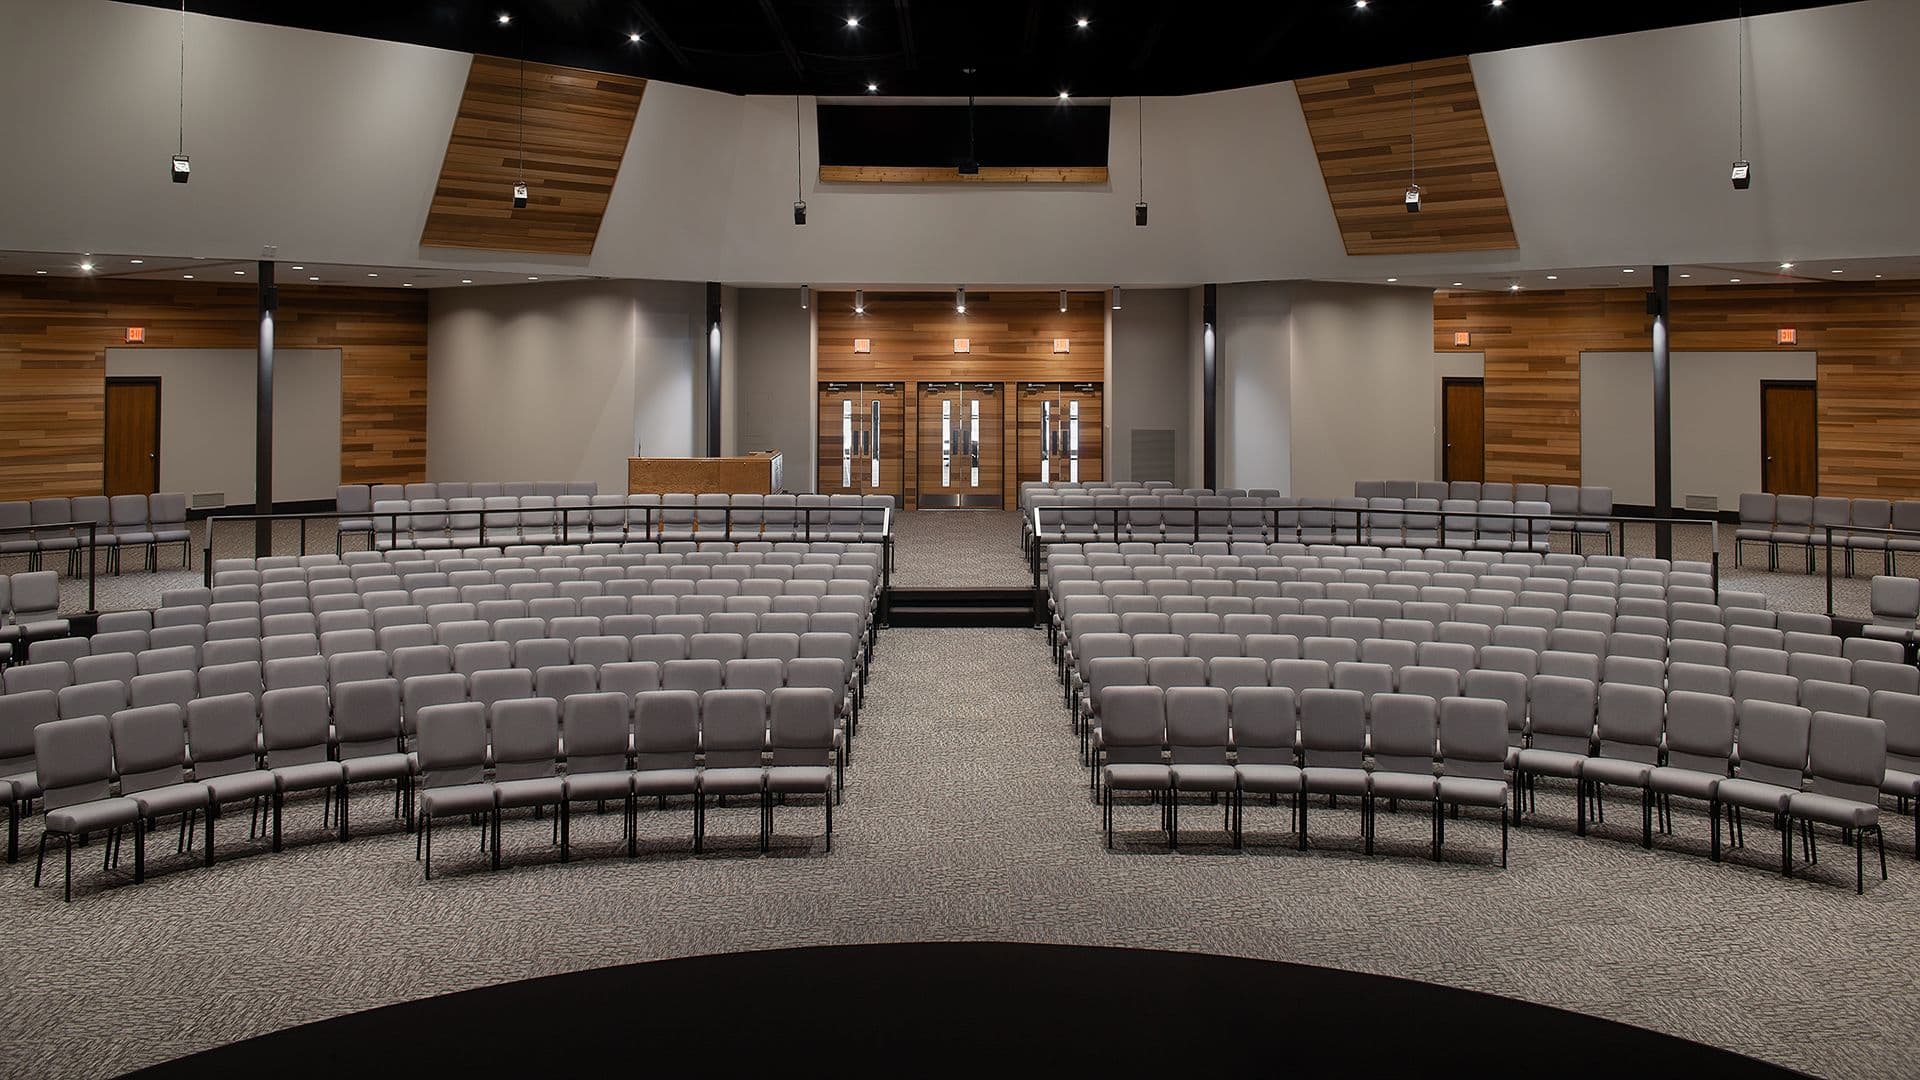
x=1116 y=298
x=859 y=302
x=806 y=295
x=1063 y=301
x=960 y=300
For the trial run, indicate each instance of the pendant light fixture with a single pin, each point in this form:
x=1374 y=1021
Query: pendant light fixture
x=1116 y=298
x=1413 y=140
x=960 y=300
x=1742 y=168
x=182 y=169
x=1140 y=144
x=520 y=184
x=1063 y=301
x=799 y=201
x=806 y=295
x=859 y=301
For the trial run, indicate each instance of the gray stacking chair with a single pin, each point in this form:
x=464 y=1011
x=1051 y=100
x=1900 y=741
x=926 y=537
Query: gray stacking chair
x=167 y=520
x=223 y=733
x=733 y=739
x=526 y=763
x=368 y=732
x=1559 y=736
x=20 y=714
x=1700 y=751
x=1756 y=527
x=1131 y=736
x=801 y=742
x=294 y=744
x=1771 y=768
x=1333 y=743
x=595 y=728
x=1473 y=752
x=128 y=514
x=74 y=762
x=1631 y=717
x=150 y=753
x=1847 y=760
x=1198 y=744
x=1402 y=735
x=1793 y=525
x=452 y=742
x=666 y=745
x=48 y=512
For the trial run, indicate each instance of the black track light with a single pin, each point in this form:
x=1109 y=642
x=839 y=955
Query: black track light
x=520 y=195
x=800 y=213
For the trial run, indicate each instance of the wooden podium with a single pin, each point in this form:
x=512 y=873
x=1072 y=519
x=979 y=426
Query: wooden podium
x=750 y=474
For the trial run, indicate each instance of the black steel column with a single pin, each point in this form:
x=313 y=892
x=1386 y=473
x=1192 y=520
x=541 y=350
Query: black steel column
x=1657 y=302
x=263 y=415
x=713 y=369
x=1209 y=368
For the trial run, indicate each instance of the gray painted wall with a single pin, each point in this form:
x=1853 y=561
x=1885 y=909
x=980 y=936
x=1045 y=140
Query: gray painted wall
x=1716 y=421
x=1150 y=341
x=206 y=420
x=1362 y=403
x=1254 y=385
x=772 y=395
x=563 y=381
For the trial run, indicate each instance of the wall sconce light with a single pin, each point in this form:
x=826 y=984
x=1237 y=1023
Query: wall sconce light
x=961 y=345
x=1060 y=344
x=1786 y=335
x=862 y=345
x=1462 y=337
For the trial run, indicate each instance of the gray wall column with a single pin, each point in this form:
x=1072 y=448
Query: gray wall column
x=1657 y=302
x=1209 y=370
x=263 y=414
x=713 y=369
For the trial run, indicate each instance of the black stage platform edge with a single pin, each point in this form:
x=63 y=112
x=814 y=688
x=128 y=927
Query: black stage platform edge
x=948 y=1007
x=961 y=607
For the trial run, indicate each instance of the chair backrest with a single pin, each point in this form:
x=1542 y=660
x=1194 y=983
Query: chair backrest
x=666 y=731
x=1333 y=728
x=733 y=727
x=801 y=723
x=526 y=738
x=367 y=717
x=1630 y=721
x=150 y=747
x=452 y=744
x=1403 y=732
x=1773 y=742
x=1700 y=731
x=1561 y=712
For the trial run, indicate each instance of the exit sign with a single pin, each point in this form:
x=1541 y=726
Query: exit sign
x=136 y=335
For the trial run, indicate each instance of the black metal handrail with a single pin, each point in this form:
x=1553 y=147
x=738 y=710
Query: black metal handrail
x=1828 y=545
x=1340 y=516
x=92 y=548
x=565 y=515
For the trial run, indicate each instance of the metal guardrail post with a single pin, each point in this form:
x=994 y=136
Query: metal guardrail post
x=1828 y=530
x=93 y=569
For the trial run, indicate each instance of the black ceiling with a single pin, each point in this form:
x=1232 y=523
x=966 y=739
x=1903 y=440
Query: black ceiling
x=921 y=47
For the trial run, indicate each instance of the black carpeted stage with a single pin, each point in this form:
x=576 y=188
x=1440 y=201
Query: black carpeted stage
x=915 y=1009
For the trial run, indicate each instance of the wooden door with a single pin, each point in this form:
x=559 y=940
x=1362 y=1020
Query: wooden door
x=961 y=443
x=1059 y=433
x=838 y=445
x=885 y=410
x=133 y=437
x=1463 y=429
x=1789 y=438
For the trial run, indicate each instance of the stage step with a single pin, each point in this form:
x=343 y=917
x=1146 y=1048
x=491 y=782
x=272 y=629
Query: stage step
x=960 y=607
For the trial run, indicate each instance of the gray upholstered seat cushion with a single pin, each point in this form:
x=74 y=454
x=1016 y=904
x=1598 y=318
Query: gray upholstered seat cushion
x=1269 y=779
x=92 y=816
x=242 y=785
x=1550 y=762
x=1617 y=771
x=605 y=785
x=1204 y=777
x=1754 y=795
x=172 y=799
x=308 y=776
x=1900 y=783
x=457 y=799
x=667 y=781
x=1473 y=791
x=1830 y=810
x=1399 y=785
x=534 y=791
x=1321 y=780
x=1137 y=777
x=732 y=781
x=1686 y=783
x=394 y=766
x=799 y=779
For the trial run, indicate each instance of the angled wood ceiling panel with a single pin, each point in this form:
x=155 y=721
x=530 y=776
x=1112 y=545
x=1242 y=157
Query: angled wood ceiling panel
x=1362 y=129
x=577 y=126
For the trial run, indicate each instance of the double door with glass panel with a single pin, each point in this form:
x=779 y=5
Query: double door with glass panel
x=1060 y=432
x=862 y=438
x=960 y=446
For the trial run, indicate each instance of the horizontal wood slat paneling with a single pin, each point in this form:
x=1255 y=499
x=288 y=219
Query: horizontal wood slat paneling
x=1866 y=339
x=576 y=129
x=1362 y=124
x=988 y=174
x=54 y=334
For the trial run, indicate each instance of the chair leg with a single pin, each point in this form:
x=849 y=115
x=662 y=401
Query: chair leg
x=566 y=830
x=426 y=837
x=1503 y=836
x=829 y=801
x=1859 y=861
x=68 y=837
x=1646 y=817
x=40 y=860
x=139 y=850
x=1786 y=845
x=1713 y=811
x=278 y=801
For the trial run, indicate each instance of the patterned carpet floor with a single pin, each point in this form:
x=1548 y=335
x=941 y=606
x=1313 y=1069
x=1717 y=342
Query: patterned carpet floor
x=966 y=818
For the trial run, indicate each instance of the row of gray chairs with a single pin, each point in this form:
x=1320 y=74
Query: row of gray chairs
x=1803 y=522
x=710 y=551
x=1895 y=603
x=1488 y=525
x=29 y=611
x=437 y=523
x=35 y=528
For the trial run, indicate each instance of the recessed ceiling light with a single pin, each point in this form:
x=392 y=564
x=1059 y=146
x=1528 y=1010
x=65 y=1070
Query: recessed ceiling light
x=87 y=267
x=1553 y=277
x=1733 y=281
x=1515 y=287
x=1458 y=284
x=1081 y=22
x=1499 y=3
x=1836 y=271
x=239 y=273
x=299 y=268
x=873 y=88
x=137 y=262
x=633 y=39
x=406 y=284
x=1686 y=275
x=373 y=275
x=1064 y=95
x=466 y=281
x=1627 y=270
x=189 y=277
x=853 y=22
x=533 y=279
x=505 y=18
x=313 y=279
x=1786 y=266
x=1877 y=277
x=43 y=273
x=1360 y=5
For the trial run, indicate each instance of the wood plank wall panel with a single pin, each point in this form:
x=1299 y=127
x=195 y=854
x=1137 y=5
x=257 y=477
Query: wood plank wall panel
x=576 y=128
x=1011 y=337
x=1866 y=339
x=1362 y=124
x=988 y=174
x=54 y=333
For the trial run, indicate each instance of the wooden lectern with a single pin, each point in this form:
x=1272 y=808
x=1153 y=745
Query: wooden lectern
x=749 y=474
